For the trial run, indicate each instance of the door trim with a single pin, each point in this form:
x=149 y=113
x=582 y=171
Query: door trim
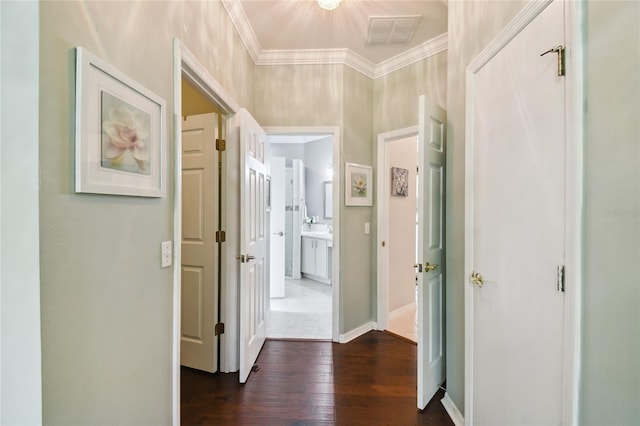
x=187 y=65
x=574 y=98
x=334 y=131
x=382 y=254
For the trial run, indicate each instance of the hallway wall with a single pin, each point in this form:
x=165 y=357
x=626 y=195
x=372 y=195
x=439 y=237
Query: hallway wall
x=106 y=304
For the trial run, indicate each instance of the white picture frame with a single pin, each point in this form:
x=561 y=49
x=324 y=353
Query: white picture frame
x=120 y=132
x=358 y=183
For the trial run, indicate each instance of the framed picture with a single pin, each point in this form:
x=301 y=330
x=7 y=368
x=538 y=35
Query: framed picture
x=399 y=182
x=120 y=132
x=358 y=180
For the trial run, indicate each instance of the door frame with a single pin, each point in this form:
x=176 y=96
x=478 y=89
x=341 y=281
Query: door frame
x=574 y=98
x=382 y=253
x=187 y=65
x=334 y=131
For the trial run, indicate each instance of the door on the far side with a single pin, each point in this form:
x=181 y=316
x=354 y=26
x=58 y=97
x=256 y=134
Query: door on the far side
x=254 y=240
x=198 y=345
x=431 y=159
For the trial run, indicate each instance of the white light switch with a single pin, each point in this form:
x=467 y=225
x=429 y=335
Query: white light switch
x=366 y=227
x=166 y=254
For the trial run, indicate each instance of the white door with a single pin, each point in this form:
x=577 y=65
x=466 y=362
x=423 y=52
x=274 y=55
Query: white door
x=254 y=293
x=515 y=231
x=431 y=147
x=198 y=345
x=278 y=185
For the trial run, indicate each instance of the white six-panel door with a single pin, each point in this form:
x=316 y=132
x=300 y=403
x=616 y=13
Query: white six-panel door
x=254 y=294
x=198 y=345
x=515 y=230
x=431 y=148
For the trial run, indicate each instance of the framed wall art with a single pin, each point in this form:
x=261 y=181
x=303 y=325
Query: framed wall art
x=358 y=181
x=119 y=132
x=399 y=182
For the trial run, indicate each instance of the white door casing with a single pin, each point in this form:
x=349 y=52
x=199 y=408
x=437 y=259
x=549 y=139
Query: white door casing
x=277 y=218
x=199 y=346
x=431 y=157
x=518 y=330
x=254 y=294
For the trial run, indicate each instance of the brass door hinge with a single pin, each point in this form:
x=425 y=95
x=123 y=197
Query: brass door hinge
x=219 y=329
x=221 y=236
x=560 y=278
x=221 y=145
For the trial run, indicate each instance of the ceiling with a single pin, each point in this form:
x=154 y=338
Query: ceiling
x=300 y=32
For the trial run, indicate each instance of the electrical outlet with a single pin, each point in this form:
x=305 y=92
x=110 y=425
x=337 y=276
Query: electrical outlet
x=166 y=254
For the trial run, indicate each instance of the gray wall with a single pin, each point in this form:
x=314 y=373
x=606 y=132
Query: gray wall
x=106 y=304
x=20 y=369
x=610 y=385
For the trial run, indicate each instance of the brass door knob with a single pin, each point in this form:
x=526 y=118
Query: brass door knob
x=248 y=257
x=476 y=279
x=429 y=267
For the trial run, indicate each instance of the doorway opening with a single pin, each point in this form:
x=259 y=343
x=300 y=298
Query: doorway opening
x=301 y=236
x=304 y=229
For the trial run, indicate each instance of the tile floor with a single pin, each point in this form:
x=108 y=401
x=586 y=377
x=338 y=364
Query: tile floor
x=304 y=312
x=405 y=324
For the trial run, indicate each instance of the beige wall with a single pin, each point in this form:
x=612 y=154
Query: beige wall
x=472 y=26
x=610 y=382
x=106 y=304
x=402 y=153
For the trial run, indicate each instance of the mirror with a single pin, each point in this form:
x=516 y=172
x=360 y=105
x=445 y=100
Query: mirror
x=328 y=200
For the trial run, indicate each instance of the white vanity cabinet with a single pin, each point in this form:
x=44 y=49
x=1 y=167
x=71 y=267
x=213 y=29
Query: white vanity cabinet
x=315 y=258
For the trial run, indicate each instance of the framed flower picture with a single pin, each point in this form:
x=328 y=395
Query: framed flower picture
x=358 y=180
x=120 y=132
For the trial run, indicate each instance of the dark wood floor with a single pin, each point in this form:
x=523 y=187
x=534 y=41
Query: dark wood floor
x=370 y=380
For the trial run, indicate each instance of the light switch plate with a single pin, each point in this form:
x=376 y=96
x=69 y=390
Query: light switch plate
x=366 y=228
x=166 y=254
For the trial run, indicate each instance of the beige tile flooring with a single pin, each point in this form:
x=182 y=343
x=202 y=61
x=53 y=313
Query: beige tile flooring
x=304 y=312
x=405 y=324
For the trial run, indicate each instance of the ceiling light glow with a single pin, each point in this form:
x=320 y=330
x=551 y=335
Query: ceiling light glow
x=328 y=4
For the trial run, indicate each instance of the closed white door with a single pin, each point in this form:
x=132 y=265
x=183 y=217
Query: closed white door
x=515 y=230
x=431 y=147
x=198 y=345
x=277 y=218
x=254 y=291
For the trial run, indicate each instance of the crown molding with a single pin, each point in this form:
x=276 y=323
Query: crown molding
x=428 y=48
x=240 y=21
x=326 y=56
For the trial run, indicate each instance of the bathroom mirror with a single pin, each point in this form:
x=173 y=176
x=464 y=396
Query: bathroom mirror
x=328 y=200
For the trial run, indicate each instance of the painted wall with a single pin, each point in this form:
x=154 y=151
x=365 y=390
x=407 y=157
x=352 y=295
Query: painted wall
x=20 y=359
x=106 y=304
x=402 y=226
x=472 y=26
x=610 y=386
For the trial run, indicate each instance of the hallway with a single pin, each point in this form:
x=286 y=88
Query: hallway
x=371 y=380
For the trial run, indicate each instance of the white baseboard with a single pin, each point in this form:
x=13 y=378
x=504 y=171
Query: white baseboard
x=402 y=310
x=452 y=410
x=357 y=332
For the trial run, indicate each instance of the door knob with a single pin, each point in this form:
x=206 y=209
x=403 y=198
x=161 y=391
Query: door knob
x=419 y=266
x=248 y=257
x=476 y=279
x=279 y=234
x=429 y=267
x=244 y=258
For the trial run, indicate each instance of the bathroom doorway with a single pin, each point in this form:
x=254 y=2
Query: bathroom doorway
x=302 y=237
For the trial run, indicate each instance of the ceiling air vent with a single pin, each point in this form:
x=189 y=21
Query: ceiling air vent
x=391 y=29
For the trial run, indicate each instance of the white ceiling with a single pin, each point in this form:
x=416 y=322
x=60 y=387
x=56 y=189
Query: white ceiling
x=299 y=31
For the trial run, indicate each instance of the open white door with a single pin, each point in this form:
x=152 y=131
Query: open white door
x=198 y=344
x=253 y=294
x=277 y=249
x=431 y=146
x=515 y=210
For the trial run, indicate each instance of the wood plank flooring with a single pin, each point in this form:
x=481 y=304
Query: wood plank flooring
x=369 y=381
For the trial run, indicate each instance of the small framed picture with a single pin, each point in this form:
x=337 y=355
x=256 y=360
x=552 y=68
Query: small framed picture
x=358 y=179
x=399 y=182
x=120 y=132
